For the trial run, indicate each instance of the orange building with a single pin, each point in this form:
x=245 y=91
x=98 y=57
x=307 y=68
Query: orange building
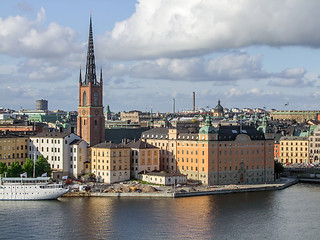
x=226 y=155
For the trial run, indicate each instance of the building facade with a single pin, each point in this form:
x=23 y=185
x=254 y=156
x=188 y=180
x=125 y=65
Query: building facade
x=314 y=145
x=13 y=147
x=91 y=120
x=294 y=150
x=56 y=148
x=224 y=155
x=110 y=162
x=144 y=157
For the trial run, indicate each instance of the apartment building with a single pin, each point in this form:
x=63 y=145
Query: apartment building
x=294 y=149
x=13 y=147
x=110 y=162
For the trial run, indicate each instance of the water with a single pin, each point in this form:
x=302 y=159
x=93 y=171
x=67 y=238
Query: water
x=293 y=213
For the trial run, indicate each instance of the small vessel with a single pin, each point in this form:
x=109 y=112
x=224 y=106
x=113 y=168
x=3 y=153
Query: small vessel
x=22 y=189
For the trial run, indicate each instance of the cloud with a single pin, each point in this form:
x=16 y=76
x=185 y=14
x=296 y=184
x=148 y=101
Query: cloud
x=179 y=28
x=292 y=77
x=21 y=37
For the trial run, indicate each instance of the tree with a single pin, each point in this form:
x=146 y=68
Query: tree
x=15 y=170
x=28 y=167
x=3 y=168
x=278 y=169
x=42 y=166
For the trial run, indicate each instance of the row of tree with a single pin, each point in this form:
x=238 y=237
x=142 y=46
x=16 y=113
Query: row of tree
x=15 y=169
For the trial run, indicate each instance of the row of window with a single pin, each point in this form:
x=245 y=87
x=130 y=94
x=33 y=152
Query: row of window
x=19 y=155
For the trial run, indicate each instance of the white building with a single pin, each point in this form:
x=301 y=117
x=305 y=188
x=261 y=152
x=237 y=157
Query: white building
x=78 y=156
x=56 y=148
x=163 y=178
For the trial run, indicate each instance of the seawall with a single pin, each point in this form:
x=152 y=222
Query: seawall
x=211 y=191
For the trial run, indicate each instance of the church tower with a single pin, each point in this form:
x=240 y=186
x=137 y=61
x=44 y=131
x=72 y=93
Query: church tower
x=91 y=122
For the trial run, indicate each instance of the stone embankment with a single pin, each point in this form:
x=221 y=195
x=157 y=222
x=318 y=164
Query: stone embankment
x=142 y=190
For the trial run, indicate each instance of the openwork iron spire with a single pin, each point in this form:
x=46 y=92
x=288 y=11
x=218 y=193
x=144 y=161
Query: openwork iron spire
x=91 y=65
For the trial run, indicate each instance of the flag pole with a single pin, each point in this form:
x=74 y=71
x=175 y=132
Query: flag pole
x=34 y=164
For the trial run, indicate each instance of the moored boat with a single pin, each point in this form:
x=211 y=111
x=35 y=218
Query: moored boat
x=39 y=188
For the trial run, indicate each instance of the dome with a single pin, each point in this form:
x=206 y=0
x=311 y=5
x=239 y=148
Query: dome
x=218 y=108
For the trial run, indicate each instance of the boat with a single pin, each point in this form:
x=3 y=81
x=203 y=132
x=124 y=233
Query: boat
x=21 y=189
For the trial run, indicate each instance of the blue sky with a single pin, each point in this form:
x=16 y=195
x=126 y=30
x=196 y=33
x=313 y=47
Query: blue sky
x=249 y=53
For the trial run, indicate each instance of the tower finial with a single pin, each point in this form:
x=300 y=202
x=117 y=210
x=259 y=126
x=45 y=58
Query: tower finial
x=91 y=65
x=80 y=77
x=101 y=79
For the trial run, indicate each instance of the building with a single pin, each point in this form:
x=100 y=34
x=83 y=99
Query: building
x=163 y=178
x=314 y=145
x=144 y=157
x=165 y=140
x=78 y=158
x=110 y=162
x=13 y=147
x=294 y=149
x=218 y=110
x=91 y=120
x=58 y=149
x=223 y=155
x=42 y=104
x=299 y=116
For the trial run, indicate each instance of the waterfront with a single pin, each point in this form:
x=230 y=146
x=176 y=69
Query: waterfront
x=292 y=213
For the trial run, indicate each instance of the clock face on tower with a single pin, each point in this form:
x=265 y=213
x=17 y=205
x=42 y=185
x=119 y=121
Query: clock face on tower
x=97 y=112
x=83 y=111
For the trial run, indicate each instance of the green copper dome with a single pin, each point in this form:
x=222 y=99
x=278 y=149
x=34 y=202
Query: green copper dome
x=207 y=128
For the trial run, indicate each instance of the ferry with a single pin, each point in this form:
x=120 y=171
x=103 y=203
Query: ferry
x=38 y=188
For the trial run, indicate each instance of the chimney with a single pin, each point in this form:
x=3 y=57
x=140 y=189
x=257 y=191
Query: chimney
x=193 y=101
x=174 y=105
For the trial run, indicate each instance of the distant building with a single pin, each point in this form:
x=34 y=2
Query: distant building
x=299 y=116
x=42 y=104
x=218 y=110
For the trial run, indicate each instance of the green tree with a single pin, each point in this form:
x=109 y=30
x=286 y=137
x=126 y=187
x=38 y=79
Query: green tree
x=15 y=170
x=28 y=167
x=42 y=166
x=3 y=168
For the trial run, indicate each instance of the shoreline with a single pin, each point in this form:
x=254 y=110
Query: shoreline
x=227 y=189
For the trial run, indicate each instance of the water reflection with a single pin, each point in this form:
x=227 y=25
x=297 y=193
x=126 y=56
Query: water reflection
x=289 y=214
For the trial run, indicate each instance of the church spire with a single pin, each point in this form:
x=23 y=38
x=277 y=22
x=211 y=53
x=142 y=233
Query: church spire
x=91 y=65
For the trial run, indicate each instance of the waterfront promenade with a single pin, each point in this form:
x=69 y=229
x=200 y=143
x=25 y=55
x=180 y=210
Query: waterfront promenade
x=188 y=191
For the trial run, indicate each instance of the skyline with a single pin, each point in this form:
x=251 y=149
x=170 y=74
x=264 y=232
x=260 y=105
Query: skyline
x=258 y=54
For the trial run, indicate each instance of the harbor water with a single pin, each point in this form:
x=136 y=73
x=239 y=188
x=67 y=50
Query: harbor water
x=292 y=213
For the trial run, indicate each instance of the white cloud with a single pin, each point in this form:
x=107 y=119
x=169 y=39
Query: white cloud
x=21 y=37
x=180 y=28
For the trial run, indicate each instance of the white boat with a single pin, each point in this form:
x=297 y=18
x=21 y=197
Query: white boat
x=38 y=188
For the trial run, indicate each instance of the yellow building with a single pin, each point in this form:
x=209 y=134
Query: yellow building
x=294 y=150
x=165 y=139
x=110 y=162
x=13 y=147
x=144 y=157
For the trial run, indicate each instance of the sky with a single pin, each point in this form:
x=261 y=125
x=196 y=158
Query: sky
x=248 y=53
